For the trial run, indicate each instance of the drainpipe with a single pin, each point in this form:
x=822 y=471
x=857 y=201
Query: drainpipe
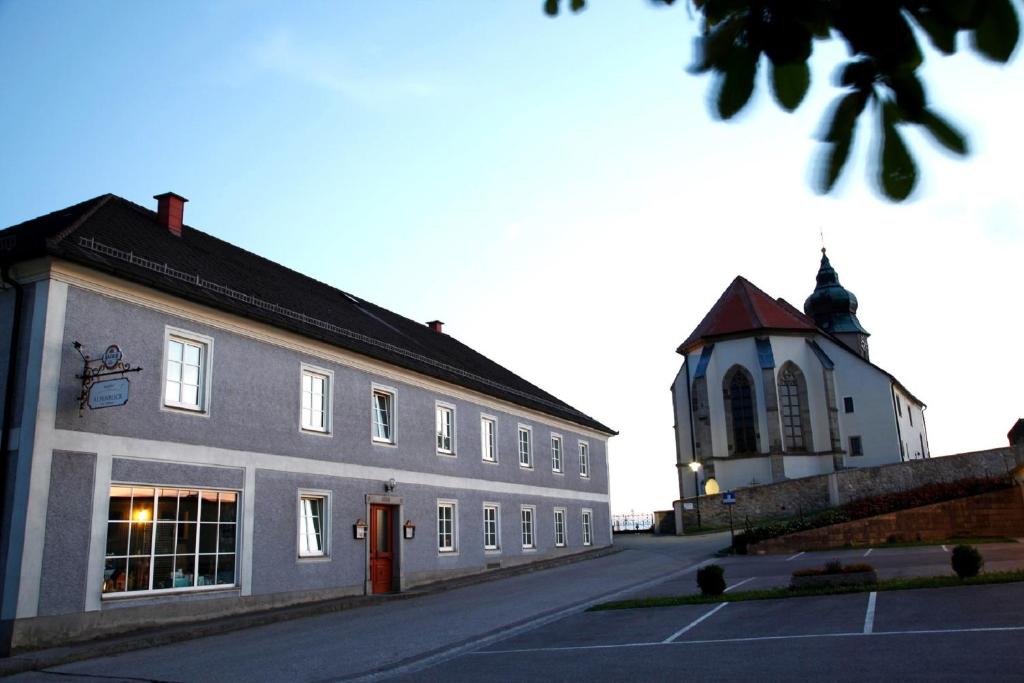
x=5 y=431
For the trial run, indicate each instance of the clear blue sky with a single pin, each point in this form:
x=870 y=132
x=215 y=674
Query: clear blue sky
x=554 y=190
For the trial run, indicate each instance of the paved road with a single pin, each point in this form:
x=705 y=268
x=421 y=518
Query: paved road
x=366 y=640
x=532 y=627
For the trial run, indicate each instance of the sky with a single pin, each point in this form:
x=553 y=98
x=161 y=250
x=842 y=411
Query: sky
x=555 y=190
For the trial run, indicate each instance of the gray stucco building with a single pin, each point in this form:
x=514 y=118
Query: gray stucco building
x=283 y=442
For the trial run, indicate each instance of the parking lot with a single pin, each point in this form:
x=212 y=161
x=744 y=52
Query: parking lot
x=970 y=632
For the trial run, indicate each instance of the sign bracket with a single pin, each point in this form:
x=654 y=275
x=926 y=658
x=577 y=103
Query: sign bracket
x=110 y=363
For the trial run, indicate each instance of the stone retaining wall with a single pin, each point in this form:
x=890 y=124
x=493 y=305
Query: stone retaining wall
x=812 y=494
x=995 y=514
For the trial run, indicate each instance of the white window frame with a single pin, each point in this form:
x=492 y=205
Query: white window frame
x=560 y=529
x=587 y=519
x=393 y=405
x=328 y=377
x=583 y=448
x=496 y=546
x=532 y=509
x=560 y=468
x=325 y=524
x=452 y=549
x=205 y=371
x=484 y=443
x=528 y=465
x=441 y=408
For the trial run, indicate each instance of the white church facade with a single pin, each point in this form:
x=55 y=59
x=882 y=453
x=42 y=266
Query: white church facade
x=768 y=393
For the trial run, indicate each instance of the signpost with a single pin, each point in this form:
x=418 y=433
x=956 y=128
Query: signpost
x=729 y=499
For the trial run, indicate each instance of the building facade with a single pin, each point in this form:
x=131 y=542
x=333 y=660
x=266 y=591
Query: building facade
x=276 y=441
x=768 y=393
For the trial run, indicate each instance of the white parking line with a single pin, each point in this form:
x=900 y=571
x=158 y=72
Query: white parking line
x=711 y=641
x=868 y=552
x=693 y=623
x=869 y=617
x=795 y=556
x=737 y=585
x=944 y=549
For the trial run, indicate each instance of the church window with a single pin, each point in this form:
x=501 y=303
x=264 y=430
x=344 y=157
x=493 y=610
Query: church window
x=856 y=448
x=741 y=405
x=794 y=409
x=848 y=404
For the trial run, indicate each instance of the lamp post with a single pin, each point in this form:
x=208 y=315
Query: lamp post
x=695 y=467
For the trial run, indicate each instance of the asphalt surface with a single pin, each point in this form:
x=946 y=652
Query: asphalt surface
x=533 y=627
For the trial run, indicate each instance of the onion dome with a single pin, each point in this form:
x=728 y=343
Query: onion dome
x=832 y=306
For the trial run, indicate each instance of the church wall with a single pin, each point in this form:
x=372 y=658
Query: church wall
x=736 y=472
x=873 y=418
x=912 y=427
x=728 y=353
x=807 y=465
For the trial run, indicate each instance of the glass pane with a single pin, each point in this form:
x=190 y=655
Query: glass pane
x=141 y=539
x=115 y=575
x=226 y=569
x=184 y=571
x=186 y=542
x=163 y=572
x=138 y=574
x=190 y=375
x=167 y=507
x=208 y=538
x=227 y=538
x=307 y=417
x=174 y=350
x=208 y=509
x=142 y=505
x=190 y=395
x=306 y=383
x=228 y=506
x=117 y=538
x=382 y=530
x=165 y=538
x=188 y=506
x=207 y=570
x=172 y=392
x=173 y=371
x=191 y=356
x=120 y=502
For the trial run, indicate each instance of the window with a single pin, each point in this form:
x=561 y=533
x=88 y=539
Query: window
x=315 y=413
x=527 y=513
x=740 y=411
x=899 y=408
x=169 y=538
x=856 y=448
x=848 y=404
x=313 y=517
x=588 y=527
x=445 y=428
x=491 y=527
x=383 y=416
x=910 y=414
x=791 y=404
x=488 y=439
x=559 y=527
x=584 y=459
x=556 y=453
x=446 y=527
x=525 y=449
x=186 y=380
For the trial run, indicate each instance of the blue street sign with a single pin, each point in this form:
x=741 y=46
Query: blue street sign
x=729 y=498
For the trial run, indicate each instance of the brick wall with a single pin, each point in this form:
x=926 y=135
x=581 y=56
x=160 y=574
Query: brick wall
x=1000 y=513
x=811 y=494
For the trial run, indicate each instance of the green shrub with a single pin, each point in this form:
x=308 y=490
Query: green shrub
x=711 y=580
x=835 y=567
x=966 y=561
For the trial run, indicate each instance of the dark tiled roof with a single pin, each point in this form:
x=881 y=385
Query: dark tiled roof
x=117 y=236
x=745 y=308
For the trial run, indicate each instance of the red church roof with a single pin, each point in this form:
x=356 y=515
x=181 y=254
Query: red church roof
x=745 y=308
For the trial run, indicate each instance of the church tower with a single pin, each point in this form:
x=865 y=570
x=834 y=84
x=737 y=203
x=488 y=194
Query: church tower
x=834 y=309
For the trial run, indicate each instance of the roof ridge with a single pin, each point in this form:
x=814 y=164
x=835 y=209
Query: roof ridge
x=101 y=201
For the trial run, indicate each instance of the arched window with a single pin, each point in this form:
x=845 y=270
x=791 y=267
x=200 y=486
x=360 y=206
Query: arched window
x=739 y=404
x=796 y=433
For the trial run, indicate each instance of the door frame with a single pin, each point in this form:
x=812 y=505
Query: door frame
x=397 y=514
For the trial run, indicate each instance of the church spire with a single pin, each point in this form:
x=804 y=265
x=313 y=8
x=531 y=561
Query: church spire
x=834 y=308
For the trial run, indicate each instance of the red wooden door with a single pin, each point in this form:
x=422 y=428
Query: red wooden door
x=381 y=550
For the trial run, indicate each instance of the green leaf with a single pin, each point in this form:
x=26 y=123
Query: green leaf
x=577 y=5
x=789 y=84
x=941 y=30
x=551 y=8
x=909 y=95
x=845 y=114
x=944 y=133
x=997 y=34
x=860 y=74
x=897 y=173
x=835 y=160
x=712 y=50
x=737 y=84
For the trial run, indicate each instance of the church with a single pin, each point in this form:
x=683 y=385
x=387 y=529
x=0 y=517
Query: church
x=768 y=393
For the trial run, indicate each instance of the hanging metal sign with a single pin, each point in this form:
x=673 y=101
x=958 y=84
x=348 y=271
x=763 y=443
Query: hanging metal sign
x=109 y=393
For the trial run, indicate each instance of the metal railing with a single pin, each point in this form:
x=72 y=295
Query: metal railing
x=643 y=521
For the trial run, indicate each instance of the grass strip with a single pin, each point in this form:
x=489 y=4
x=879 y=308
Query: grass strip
x=780 y=593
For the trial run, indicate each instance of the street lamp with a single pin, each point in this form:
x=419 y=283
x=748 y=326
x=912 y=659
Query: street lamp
x=695 y=467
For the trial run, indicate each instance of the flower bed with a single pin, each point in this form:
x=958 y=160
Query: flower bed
x=834 y=574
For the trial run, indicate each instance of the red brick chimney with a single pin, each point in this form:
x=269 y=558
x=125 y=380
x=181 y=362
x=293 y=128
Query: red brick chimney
x=170 y=211
x=435 y=325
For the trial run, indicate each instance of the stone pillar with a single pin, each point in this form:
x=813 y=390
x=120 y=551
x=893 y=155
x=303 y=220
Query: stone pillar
x=771 y=409
x=702 y=420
